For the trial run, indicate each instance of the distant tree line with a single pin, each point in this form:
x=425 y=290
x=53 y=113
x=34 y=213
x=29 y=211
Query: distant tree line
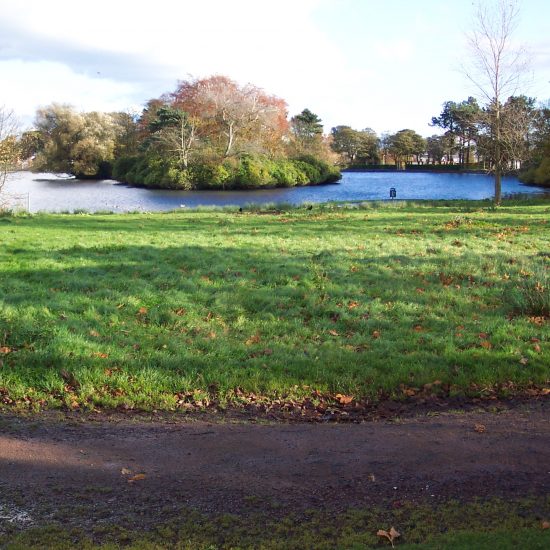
x=214 y=133
x=468 y=141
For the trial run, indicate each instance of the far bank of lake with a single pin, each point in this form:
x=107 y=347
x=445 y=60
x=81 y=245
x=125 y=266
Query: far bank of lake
x=56 y=193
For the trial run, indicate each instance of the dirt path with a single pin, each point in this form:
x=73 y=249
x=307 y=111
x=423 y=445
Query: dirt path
x=76 y=470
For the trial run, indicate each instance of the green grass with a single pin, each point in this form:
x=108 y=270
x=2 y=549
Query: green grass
x=148 y=310
x=451 y=525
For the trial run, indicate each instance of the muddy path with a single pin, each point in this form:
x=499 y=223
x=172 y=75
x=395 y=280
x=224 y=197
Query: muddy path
x=98 y=469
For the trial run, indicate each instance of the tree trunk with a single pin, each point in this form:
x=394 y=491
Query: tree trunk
x=498 y=159
x=230 y=137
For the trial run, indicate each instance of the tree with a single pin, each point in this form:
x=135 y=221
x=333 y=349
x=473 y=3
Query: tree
x=436 y=148
x=173 y=132
x=355 y=145
x=30 y=143
x=460 y=122
x=8 y=145
x=497 y=68
x=234 y=119
x=306 y=126
x=82 y=144
x=406 y=144
x=537 y=168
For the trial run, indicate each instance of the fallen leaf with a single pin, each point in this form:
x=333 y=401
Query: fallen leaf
x=486 y=344
x=524 y=361
x=100 y=354
x=333 y=333
x=94 y=333
x=344 y=399
x=537 y=348
x=353 y=304
x=483 y=335
x=391 y=536
x=545 y=524
x=372 y=477
x=125 y=471
x=376 y=334
x=142 y=311
x=137 y=477
x=479 y=428
x=253 y=340
x=5 y=349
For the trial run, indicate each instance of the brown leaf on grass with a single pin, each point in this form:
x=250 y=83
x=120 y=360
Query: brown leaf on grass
x=100 y=354
x=445 y=280
x=486 y=344
x=180 y=311
x=94 y=333
x=545 y=525
x=376 y=334
x=418 y=328
x=523 y=361
x=253 y=339
x=391 y=535
x=142 y=311
x=483 y=335
x=137 y=477
x=479 y=428
x=353 y=304
x=344 y=399
x=539 y=321
x=5 y=350
x=333 y=333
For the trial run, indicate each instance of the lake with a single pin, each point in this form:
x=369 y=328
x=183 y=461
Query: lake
x=54 y=193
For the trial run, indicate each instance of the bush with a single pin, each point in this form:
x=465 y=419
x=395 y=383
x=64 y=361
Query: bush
x=248 y=172
x=537 y=175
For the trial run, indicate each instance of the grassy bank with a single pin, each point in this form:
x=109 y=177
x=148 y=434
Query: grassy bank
x=182 y=309
x=451 y=525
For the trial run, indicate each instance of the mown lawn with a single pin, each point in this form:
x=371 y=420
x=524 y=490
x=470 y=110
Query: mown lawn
x=160 y=311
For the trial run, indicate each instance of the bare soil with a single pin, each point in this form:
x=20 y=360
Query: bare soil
x=120 y=468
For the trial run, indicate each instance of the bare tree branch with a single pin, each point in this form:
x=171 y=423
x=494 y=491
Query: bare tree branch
x=9 y=128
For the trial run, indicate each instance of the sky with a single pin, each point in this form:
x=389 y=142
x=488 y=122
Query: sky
x=382 y=64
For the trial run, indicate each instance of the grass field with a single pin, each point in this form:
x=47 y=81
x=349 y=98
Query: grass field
x=167 y=311
x=450 y=526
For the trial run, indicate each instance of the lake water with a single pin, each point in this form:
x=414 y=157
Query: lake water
x=54 y=193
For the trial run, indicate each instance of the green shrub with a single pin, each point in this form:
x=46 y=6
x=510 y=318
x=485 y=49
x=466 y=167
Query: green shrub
x=247 y=172
x=537 y=175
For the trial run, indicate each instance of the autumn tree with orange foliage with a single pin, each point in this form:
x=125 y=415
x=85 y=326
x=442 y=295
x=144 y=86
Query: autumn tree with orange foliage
x=234 y=119
x=213 y=133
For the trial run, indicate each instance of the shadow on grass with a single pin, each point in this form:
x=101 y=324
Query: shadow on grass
x=139 y=323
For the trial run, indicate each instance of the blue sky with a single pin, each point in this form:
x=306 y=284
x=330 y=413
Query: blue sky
x=386 y=64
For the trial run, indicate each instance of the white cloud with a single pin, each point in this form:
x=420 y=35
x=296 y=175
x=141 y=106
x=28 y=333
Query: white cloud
x=37 y=83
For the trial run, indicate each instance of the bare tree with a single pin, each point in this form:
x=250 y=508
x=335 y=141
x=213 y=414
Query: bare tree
x=8 y=146
x=497 y=69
